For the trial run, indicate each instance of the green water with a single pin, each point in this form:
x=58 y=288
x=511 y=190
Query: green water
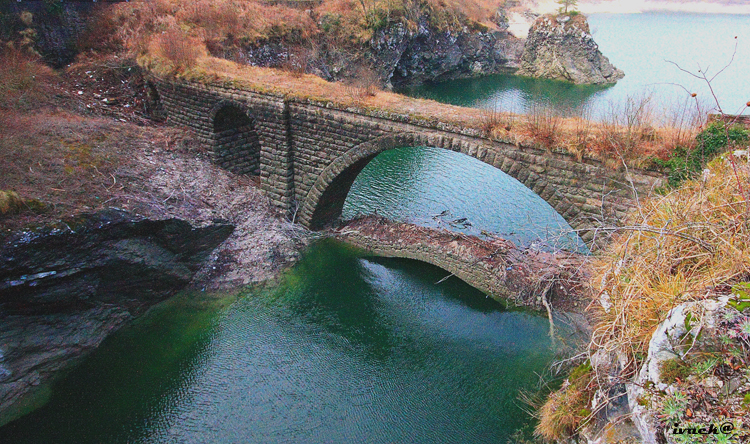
x=436 y=188
x=344 y=349
x=642 y=45
x=347 y=348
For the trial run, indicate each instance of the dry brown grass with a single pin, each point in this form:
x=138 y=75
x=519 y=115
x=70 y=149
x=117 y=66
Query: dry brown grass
x=24 y=80
x=178 y=49
x=566 y=409
x=227 y=23
x=543 y=124
x=678 y=248
x=634 y=138
x=50 y=155
x=683 y=246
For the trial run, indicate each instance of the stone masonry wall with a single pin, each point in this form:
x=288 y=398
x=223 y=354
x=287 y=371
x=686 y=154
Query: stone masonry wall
x=480 y=275
x=238 y=150
x=311 y=152
x=194 y=106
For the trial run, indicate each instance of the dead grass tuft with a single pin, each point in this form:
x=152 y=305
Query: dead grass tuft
x=566 y=410
x=543 y=124
x=363 y=85
x=178 y=49
x=679 y=248
x=24 y=79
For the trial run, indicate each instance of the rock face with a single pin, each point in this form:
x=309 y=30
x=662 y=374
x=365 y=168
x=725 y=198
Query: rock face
x=562 y=48
x=412 y=58
x=56 y=27
x=65 y=288
x=691 y=332
x=397 y=56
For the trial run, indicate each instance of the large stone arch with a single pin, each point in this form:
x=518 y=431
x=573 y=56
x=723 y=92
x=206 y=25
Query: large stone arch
x=235 y=142
x=325 y=200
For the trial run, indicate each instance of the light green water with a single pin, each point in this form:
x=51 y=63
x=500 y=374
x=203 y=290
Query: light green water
x=443 y=189
x=344 y=349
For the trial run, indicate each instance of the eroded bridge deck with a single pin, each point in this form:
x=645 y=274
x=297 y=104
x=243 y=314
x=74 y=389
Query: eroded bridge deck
x=495 y=266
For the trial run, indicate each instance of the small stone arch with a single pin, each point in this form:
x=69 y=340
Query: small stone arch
x=325 y=200
x=235 y=142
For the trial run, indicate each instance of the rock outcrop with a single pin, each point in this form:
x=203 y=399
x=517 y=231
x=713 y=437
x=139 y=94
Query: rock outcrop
x=428 y=55
x=562 y=48
x=64 y=289
x=395 y=56
x=672 y=389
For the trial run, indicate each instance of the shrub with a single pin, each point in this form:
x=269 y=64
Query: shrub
x=100 y=35
x=543 y=124
x=25 y=79
x=687 y=163
x=178 y=48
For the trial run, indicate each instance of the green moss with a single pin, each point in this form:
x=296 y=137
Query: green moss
x=12 y=203
x=685 y=164
x=581 y=372
x=673 y=369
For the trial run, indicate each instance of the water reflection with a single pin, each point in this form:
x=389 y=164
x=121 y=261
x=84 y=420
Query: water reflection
x=506 y=92
x=344 y=348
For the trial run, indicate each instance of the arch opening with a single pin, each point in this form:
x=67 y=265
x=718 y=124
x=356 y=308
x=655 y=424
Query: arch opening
x=236 y=143
x=438 y=188
x=331 y=203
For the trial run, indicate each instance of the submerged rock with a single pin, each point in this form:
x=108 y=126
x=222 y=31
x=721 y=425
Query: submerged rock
x=562 y=48
x=65 y=288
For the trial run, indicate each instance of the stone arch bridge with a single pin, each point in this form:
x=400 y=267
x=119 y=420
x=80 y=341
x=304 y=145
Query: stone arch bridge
x=308 y=153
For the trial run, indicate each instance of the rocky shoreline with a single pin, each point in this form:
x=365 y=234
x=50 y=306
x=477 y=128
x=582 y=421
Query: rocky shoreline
x=177 y=222
x=65 y=288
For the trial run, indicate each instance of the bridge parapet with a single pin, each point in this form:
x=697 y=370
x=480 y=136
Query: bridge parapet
x=311 y=152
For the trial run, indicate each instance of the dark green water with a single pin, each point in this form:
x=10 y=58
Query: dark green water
x=642 y=46
x=344 y=349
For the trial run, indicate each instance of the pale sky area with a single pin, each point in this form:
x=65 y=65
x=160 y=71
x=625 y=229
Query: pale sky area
x=635 y=6
x=520 y=22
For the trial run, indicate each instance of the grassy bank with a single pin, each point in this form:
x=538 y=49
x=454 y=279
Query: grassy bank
x=691 y=243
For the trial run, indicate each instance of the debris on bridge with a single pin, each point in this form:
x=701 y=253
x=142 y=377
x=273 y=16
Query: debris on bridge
x=520 y=276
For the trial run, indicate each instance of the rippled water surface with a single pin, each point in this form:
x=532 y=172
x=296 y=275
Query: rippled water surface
x=345 y=349
x=439 y=188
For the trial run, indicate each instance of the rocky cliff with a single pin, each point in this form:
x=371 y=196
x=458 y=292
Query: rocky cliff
x=562 y=48
x=65 y=288
x=395 y=56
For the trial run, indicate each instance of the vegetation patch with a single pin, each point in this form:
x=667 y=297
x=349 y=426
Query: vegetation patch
x=689 y=244
x=568 y=408
x=687 y=162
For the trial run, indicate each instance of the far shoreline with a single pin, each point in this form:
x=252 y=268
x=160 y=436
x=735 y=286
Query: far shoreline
x=645 y=6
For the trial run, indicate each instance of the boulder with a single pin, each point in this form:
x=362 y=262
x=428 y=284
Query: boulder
x=562 y=48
